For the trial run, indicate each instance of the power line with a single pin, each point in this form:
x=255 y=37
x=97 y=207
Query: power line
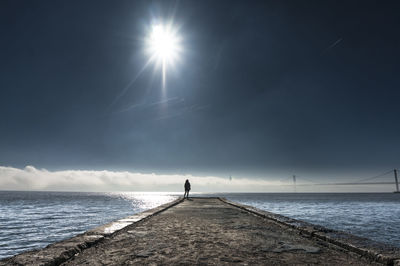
x=360 y=181
x=284 y=179
x=373 y=177
x=309 y=180
x=349 y=183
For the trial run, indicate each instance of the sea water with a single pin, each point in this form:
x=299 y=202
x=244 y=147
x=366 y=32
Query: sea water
x=31 y=220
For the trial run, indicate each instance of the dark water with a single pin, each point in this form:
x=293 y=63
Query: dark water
x=30 y=220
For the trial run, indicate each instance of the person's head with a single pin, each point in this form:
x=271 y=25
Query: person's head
x=187 y=181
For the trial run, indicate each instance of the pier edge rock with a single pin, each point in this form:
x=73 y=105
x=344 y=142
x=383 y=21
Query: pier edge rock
x=365 y=247
x=59 y=252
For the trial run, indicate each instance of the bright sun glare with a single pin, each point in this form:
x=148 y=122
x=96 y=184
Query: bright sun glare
x=163 y=45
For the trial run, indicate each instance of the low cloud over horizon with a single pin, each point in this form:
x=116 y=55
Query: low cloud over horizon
x=31 y=178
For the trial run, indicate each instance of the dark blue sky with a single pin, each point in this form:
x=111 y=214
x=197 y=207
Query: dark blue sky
x=262 y=87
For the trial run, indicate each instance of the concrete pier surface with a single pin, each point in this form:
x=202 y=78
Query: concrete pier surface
x=211 y=231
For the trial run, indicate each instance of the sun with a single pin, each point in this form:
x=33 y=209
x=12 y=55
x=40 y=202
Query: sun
x=164 y=47
x=163 y=44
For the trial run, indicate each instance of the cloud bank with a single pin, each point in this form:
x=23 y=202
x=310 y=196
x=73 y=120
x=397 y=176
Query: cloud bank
x=31 y=178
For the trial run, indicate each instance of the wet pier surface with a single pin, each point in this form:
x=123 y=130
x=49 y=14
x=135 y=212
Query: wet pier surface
x=203 y=231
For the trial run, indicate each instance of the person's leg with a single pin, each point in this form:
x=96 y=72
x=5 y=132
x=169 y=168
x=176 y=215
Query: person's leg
x=187 y=194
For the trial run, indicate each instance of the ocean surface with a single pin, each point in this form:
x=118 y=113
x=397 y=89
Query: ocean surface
x=30 y=220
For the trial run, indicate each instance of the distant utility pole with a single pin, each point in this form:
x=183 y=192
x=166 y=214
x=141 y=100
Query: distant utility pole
x=397 y=182
x=294 y=183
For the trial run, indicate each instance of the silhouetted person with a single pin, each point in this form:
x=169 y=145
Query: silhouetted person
x=187 y=189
